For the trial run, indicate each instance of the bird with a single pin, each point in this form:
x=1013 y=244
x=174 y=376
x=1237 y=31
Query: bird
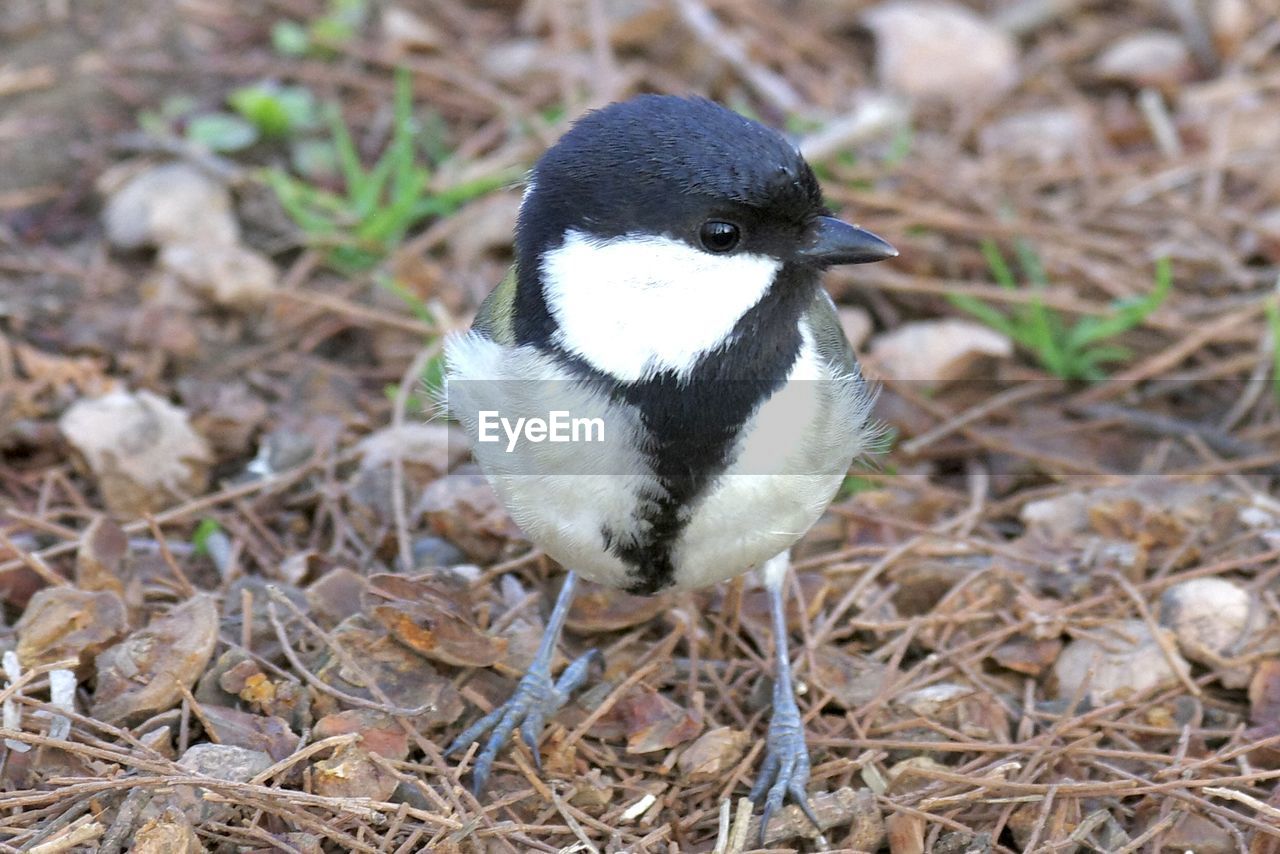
x=667 y=282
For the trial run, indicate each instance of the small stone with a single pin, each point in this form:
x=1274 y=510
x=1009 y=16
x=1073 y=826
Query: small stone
x=515 y=60
x=160 y=740
x=406 y=32
x=1045 y=137
x=943 y=51
x=1120 y=660
x=1198 y=834
x=227 y=275
x=1148 y=58
x=170 y=203
x=1057 y=519
x=1023 y=655
x=222 y=762
x=225 y=762
x=432 y=551
x=1214 y=621
x=935 y=352
x=141 y=448
x=352 y=773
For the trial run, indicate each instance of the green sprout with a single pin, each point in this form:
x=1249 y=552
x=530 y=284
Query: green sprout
x=1273 y=323
x=1075 y=352
x=275 y=111
x=340 y=23
x=207 y=528
x=378 y=205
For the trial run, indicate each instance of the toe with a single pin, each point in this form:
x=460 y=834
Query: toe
x=800 y=798
x=777 y=792
x=765 y=779
x=531 y=732
x=472 y=734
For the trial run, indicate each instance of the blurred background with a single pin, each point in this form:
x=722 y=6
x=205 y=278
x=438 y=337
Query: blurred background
x=233 y=232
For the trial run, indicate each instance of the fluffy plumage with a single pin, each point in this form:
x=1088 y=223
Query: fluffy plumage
x=668 y=254
x=687 y=352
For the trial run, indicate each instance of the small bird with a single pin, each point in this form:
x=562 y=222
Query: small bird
x=668 y=255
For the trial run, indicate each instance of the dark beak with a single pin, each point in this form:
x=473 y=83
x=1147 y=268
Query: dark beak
x=833 y=241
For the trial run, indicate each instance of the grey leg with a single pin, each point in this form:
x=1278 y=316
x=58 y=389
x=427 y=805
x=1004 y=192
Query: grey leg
x=536 y=698
x=786 y=763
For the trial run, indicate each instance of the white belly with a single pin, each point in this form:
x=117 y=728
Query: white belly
x=796 y=452
x=794 y=455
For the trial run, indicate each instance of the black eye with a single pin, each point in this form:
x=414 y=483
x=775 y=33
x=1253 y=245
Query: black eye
x=719 y=236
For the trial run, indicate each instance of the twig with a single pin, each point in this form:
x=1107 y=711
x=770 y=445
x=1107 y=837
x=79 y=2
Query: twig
x=412 y=377
x=81 y=832
x=1260 y=807
x=709 y=32
x=32 y=560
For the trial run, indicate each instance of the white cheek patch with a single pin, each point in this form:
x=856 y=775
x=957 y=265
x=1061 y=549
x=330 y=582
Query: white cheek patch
x=636 y=305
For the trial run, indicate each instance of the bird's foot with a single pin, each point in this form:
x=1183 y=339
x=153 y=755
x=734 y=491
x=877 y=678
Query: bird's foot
x=536 y=698
x=786 y=767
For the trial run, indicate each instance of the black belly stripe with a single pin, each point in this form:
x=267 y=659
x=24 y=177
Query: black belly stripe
x=693 y=423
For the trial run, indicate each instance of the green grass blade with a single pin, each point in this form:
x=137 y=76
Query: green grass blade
x=348 y=158
x=999 y=266
x=401 y=149
x=1029 y=261
x=990 y=316
x=1126 y=315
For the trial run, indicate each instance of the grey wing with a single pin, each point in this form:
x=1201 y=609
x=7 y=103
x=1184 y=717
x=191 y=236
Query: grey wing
x=851 y=397
x=828 y=336
x=495 y=320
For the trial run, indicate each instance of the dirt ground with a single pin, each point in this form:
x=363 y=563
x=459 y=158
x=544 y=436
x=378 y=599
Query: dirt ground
x=250 y=592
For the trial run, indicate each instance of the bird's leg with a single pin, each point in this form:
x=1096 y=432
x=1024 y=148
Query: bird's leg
x=536 y=697
x=786 y=762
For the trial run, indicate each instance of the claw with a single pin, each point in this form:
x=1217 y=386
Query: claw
x=535 y=700
x=785 y=772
